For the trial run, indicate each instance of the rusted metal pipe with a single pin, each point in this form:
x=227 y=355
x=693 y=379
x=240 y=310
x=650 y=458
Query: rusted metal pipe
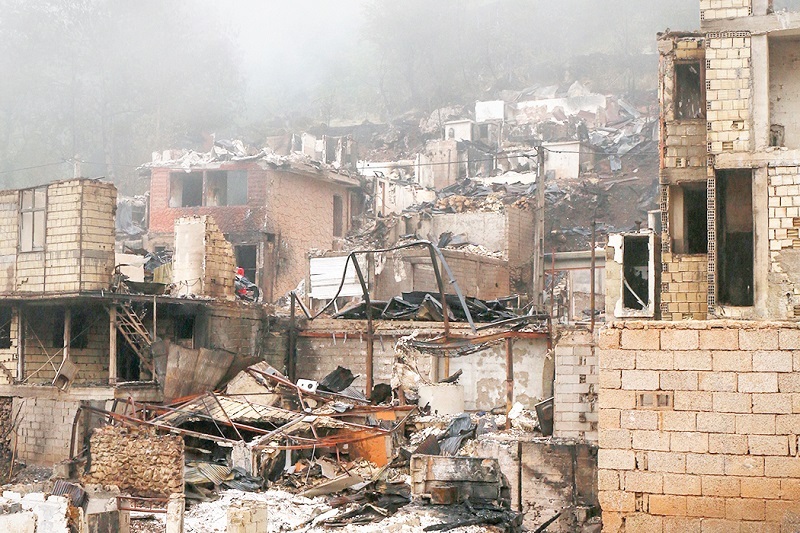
x=509 y=377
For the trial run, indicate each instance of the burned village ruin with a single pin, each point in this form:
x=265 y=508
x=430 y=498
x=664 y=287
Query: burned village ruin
x=557 y=308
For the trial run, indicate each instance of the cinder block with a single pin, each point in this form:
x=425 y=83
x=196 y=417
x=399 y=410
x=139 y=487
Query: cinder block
x=640 y=380
x=640 y=339
x=617 y=359
x=744 y=465
x=758 y=382
x=616 y=460
x=716 y=422
x=772 y=361
x=705 y=464
x=724 y=443
x=692 y=401
x=682 y=484
x=617 y=501
x=759 y=339
x=776 y=403
x=732 y=402
x=667 y=505
x=678 y=380
x=631 y=419
x=666 y=462
x=706 y=506
x=693 y=360
x=638 y=481
x=719 y=339
x=679 y=420
x=768 y=444
x=689 y=441
x=745 y=509
x=755 y=424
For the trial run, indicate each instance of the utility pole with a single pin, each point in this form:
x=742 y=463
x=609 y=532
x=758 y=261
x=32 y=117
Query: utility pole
x=538 y=231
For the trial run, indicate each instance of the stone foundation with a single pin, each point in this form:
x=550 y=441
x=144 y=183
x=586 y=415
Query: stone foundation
x=137 y=460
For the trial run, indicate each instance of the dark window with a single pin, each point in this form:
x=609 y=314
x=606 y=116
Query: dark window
x=246 y=256
x=636 y=272
x=184 y=327
x=78 y=331
x=186 y=189
x=689 y=218
x=689 y=91
x=338 y=216
x=5 y=327
x=483 y=131
x=735 y=237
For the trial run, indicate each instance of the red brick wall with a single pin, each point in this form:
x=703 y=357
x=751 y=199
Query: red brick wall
x=296 y=207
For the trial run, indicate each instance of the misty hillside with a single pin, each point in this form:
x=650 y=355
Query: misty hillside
x=93 y=87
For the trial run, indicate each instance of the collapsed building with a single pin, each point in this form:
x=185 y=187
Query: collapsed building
x=698 y=420
x=272 y=208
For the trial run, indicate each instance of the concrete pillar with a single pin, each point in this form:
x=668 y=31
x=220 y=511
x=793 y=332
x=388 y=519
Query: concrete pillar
x=175 y=507
x=112 y=345
x=760 y=86
x=761 y=258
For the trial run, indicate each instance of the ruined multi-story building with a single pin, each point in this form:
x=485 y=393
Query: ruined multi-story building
x=699 y=414
x=272 y=209
x=74 y=335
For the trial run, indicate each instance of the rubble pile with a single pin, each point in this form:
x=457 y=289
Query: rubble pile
x=136 y=459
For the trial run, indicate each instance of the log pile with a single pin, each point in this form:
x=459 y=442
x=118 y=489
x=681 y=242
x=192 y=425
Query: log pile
x=137 y=460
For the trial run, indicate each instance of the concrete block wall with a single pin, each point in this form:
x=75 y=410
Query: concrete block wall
x=483 y=375
x=98 y=234
x=728 y=91
x=784 y=241
x=220 y=263
x=411 y=270
x=78 y=253
x=576 y=386
x=699 y=426
x=204 y=263
x=724 y=9
x=300 y=211
x=684 y=287
x=45 y=427
x=43 y=355
x=520 y=231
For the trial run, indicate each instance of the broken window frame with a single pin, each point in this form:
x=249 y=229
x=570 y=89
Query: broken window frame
x=679 y=90
x=32 y=213
x=6 y=322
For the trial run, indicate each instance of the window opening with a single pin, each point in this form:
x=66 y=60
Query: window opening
x=6 y=317
x=184 y=327
x=246 y=258
x=186 y=190
x=735 y=237
x=689 y=218
x=636 y=272
x=32 y=219
x=689 y=91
